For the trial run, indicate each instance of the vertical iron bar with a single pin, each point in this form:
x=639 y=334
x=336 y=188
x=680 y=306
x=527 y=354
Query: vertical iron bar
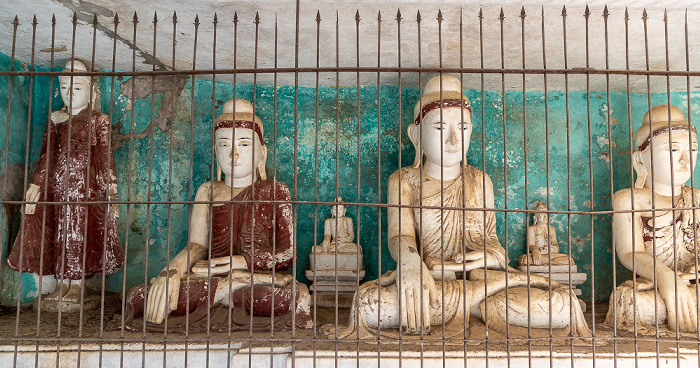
x=653 y=195
x=630 y=131
x=527 y=275
x=65 y=197
x=692 y=165
x=501 y=19
x=45 y=194
x=442 y=203
x=91 y=126
x=170 y=187
x=150 y=158
x=548 y=198
x=379 y=187
x=315 y=215
x=606 y=14
x=359 y=152
x=483 y=163
x=400 y=135
x=586 y=15
x=295 y=197
x=192 y=99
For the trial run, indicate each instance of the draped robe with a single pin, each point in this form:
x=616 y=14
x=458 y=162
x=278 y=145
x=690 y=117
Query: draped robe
x=263 y=233
x=670 y=237
x=71 y=239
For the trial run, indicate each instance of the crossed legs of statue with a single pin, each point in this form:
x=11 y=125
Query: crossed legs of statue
x=376 y=306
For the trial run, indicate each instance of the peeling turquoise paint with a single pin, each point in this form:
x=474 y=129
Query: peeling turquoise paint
x=333 y=155
x=13 y=148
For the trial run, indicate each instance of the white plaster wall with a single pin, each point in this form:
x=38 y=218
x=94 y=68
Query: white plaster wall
x=281 y=14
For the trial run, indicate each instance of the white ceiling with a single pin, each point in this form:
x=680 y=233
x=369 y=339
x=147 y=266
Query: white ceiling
x=282 y=15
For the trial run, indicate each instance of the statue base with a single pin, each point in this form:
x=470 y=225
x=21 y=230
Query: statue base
x=328 y=283
x=89 y=302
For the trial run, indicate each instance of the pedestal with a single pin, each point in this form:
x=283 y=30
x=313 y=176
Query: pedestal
x=333 y=274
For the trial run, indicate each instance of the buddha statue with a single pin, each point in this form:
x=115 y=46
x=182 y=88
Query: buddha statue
x=74 y=239
x=338 y=232
x=241 y=237
x=542 y=242
x=655 y=229
x=432 y=234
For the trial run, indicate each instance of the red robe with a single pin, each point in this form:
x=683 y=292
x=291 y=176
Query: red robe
x=71 y=240
x=263 y=233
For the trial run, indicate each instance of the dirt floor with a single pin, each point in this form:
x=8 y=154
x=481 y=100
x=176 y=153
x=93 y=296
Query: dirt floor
x=28 y=327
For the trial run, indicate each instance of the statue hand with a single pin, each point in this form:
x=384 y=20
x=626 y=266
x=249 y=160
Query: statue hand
x=475 y=259
x=112 y=195
x=159 y=303
x=32 y=195
x=680 y=307
x=417 y=296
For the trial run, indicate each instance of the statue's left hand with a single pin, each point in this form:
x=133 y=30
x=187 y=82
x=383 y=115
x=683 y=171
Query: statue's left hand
x=113 y=195
x=475 y=259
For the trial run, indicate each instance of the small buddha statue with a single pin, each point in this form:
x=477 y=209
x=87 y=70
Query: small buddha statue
x=338 y=232
x=542 y=242
x=433 y=229
x=246 y=220
x=655 y=228
x=336 y=265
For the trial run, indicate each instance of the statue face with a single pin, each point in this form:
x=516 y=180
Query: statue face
x=542 y=218
x=238 y=154
x=445 y=142
x=80 y=91
x=672 y=157
x=338 y=210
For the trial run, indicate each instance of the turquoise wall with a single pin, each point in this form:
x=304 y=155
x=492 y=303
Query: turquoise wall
x=168 y=166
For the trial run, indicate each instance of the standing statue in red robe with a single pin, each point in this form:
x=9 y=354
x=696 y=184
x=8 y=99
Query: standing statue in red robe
x=74 y=238
x=240 y=247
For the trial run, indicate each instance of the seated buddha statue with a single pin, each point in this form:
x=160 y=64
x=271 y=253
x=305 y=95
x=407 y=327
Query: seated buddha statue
x=655 y=228
x=433 y=229
x=338 y=232
x=542 y=242
x=240 y=246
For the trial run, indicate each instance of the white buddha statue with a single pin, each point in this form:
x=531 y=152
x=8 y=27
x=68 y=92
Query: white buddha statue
x=656 y=234
x=431 y=233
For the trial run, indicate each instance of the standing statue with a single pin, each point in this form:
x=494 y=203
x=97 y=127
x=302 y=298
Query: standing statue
x=656 y=232
x=431 y=236
x=241 y=236
x=73 y=239
x=542 y=242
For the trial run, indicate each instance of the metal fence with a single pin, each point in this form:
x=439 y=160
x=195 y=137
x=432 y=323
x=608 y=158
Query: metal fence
x=555 y=100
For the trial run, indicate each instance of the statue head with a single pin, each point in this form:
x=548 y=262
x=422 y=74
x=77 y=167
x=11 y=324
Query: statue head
x=667 y=143
x=338 y=210
x=77 y=91
x=540 y=217
x=240 y=148
x=442 y=124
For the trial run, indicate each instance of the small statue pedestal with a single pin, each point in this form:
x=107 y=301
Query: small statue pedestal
x=327 y=267
x=560 y=274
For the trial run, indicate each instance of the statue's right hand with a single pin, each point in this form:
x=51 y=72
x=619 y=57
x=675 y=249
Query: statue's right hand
x=683 y=311
x=159 y=302
x=418 y=296
x=32 y=195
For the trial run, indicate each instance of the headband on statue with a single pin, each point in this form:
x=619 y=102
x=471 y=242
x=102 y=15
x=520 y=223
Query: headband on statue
x=246 y=124
x=666 y=129
x=451 y=102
